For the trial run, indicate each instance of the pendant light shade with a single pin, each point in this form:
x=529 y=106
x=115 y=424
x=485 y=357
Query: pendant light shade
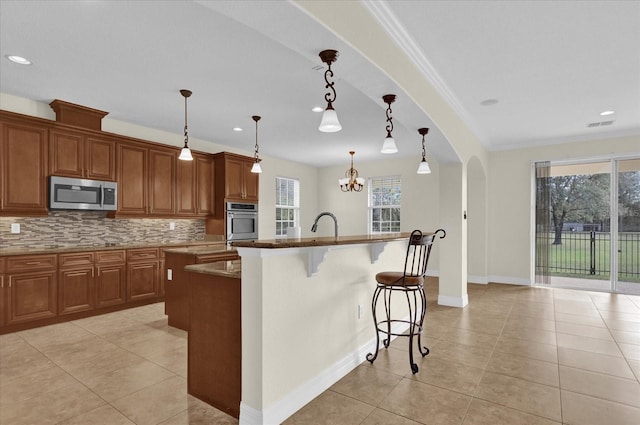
x=329 y=123
x=185 y=153
x=423 y=168
x=256 y=165
x=389 y=145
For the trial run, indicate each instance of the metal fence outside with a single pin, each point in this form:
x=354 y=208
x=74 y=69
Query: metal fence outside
x=587 y=254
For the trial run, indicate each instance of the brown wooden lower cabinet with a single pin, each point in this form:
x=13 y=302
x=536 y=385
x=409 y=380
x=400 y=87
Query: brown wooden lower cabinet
x=110 y=285
x=31 y=296
x=214 y=372
x=111 y=278
x=76 y=290
x=143 y=273
x=76 y=287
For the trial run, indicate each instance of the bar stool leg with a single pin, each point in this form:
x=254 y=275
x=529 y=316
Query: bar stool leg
x=423 y=299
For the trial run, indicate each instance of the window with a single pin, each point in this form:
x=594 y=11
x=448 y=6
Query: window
x=384 y=204
x=287 y=204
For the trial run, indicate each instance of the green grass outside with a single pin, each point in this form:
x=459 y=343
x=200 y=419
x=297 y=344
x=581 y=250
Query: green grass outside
x=572 y=258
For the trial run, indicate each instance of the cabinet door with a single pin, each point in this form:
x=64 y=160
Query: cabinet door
x=66 y=153
x=234 y=179
x=23 y=152
x=110 y=285
x=3 y=301
x=132 y=179
x=142 y=280
x=100 y=159
x=76 y=290
x=186 y=187
x=250 y=183
x=162 y=171
x=204 y=184
x=31 y=296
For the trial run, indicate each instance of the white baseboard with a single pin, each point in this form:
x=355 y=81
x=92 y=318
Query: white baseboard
x=453 y=301
x=477 y=279
x=303 y=394
x=509 y=280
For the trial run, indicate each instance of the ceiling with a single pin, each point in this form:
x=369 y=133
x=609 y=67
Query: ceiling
x=551 y=66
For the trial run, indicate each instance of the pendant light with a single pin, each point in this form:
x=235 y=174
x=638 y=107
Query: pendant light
x=389 y=145
x=351 y=182
x=329 y=123
x=256 y=165
x=185 y=153
x=423 y=168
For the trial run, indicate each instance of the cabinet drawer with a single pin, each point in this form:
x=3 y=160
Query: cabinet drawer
x=75 y=259
x=103 y=257
x=31 y=263
x=142 y=254
x=1 y=265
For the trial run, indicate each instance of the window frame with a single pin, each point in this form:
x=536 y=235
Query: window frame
x=294 y=206
x=381 y=182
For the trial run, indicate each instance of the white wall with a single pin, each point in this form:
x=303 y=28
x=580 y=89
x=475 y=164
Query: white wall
x=419 y=208
x=509 y=200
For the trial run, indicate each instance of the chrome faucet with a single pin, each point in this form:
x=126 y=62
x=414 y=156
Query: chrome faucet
x=335 y=221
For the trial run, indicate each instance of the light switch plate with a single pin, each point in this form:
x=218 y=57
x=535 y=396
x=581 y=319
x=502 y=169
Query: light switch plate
x=15 y=227
x=169 y=274
x=172 y=226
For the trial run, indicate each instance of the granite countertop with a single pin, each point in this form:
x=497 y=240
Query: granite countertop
x=202 y=250
x=54 y=249
x=322 y=241
x=219 y=268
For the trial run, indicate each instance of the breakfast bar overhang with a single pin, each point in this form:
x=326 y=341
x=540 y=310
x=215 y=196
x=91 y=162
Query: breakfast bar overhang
x=306 y=319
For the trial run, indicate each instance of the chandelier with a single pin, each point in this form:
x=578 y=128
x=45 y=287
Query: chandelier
x=351 y=182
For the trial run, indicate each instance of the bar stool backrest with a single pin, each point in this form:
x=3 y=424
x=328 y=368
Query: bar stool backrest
x=418 y=252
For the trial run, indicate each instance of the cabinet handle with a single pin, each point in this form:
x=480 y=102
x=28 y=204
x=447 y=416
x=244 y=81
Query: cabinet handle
x=33 y=263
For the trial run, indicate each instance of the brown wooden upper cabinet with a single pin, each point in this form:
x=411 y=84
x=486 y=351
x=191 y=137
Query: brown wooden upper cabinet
x=146 y=179
x=81 y=155
x=234 y=178
x=23 y=168
x=195 y=186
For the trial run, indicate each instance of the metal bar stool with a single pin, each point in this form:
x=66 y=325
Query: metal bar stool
x=411 y=283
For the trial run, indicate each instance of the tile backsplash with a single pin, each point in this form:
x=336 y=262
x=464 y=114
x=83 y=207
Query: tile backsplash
x=90 y=228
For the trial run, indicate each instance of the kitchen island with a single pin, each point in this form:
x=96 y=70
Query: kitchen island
x=176 y=305
x=306 y=319
x=214 y=347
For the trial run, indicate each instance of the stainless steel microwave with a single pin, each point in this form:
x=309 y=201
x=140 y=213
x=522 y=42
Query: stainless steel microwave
x=82 y=194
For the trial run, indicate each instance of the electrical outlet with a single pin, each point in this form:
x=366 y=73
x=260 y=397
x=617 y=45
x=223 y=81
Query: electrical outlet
x=360 y=311
x=15 y=227
x=169 y=274
x=172 y=226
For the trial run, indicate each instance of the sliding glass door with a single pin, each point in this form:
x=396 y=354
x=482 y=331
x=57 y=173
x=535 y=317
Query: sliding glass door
x=582 y=246
x=628 y=226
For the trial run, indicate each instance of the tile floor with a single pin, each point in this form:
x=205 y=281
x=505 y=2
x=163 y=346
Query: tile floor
x=514 y=355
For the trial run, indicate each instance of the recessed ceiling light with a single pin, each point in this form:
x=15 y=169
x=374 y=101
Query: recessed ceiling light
x=19 y=60
x=317 y=109
x=489 y=102
x=237 y=129
x=605 y=113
